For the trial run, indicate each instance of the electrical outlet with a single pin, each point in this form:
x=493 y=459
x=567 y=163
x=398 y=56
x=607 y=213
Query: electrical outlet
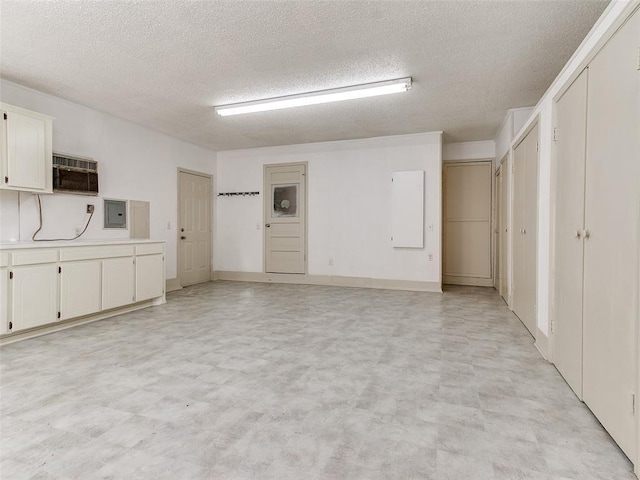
x=331 y=261
x=90 y=208
x=430 y=257
x=168 y=225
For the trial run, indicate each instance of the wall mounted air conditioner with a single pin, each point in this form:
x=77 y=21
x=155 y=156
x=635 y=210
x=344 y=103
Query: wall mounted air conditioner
x=75 y=175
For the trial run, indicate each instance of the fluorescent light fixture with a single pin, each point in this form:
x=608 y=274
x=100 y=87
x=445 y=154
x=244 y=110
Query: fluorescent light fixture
x=314 y=98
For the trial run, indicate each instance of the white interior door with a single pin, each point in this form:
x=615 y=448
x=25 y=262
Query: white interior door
x=525 y=219
x=612 y=213
x=285 y=217
x=571 y=111
x=194 y=224
x=467 y=223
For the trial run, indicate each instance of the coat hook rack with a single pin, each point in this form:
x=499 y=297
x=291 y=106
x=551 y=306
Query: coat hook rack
x=238 y=194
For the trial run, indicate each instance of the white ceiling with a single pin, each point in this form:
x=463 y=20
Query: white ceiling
x=164 y=64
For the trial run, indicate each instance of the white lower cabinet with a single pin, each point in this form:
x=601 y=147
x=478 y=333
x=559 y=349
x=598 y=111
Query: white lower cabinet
x=4 y=296
x=34 y=296
x=149 y=277
x=80 y=289
x=42 y=286
x=117 y=282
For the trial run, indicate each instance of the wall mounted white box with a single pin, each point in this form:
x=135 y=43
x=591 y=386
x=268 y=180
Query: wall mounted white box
x=407 y=209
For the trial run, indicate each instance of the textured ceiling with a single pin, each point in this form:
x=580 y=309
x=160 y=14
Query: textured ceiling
x=164 y=64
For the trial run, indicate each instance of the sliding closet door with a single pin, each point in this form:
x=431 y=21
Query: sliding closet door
x=612 y=213
x=571 y=112
x=525 y=221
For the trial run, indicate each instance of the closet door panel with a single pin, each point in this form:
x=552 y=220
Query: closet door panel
x=530 y=232
x=611 y=250
x=571 y=118
x=518 y=292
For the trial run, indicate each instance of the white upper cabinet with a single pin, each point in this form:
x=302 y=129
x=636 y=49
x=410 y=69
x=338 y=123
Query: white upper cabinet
x=26 y=150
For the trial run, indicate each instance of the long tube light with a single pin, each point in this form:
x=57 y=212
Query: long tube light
x=314 y=98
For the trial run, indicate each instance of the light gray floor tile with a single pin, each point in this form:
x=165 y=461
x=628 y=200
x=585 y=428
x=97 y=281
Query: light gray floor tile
x=258 y=381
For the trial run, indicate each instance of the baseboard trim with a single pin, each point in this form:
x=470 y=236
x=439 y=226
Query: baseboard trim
x=329 y=280
x=542 y=344
x=173 y=284
x=8 y=338
x=468 y=281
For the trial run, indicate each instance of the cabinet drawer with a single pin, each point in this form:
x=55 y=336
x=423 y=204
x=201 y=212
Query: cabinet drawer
x=90 y=253
x=33 y=257
x=4 y=259
x=149 y=248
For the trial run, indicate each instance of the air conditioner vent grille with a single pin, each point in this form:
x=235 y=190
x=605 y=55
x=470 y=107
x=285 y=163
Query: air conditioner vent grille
x=76 y=163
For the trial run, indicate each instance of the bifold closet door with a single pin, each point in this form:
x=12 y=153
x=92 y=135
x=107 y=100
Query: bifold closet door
x=504 y=229
x=612 y=212
x=525 y=220
x=498 y=228
x=571 y=111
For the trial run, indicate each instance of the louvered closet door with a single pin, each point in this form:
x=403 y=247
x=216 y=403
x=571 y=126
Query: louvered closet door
x=571 y=117
x=612 y=214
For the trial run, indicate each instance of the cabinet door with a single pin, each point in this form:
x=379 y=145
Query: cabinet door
x=4 y=297
x=79 y=289
x=34 y=298
x=612 y=213
x=149 y=277
x=117 y=282
x=26 y=151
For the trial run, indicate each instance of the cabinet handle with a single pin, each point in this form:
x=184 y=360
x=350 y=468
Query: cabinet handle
x=578 y=234
x=182 y=237
x=587 y=234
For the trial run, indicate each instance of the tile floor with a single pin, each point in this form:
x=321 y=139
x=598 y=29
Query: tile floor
x=259 y=381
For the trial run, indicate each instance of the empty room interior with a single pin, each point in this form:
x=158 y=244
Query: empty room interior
x=356 y=239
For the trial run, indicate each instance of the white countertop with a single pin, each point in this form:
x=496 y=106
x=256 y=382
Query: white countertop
x=75 y=243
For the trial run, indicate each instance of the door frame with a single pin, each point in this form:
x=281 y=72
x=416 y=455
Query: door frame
x=492 y=218
x=178 y=220
x=266 y=195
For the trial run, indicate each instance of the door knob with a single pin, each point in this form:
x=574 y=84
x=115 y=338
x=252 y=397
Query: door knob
x=268 y=225
x=182 y=237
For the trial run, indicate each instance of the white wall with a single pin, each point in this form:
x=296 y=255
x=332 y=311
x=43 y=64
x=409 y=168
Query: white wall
x=512 y=123
x=134 y=163
x=469 y=150
x=349 y=189
x=610 y=20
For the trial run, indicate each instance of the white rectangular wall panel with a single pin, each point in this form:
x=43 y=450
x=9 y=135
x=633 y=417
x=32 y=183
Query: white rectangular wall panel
x=407 y=209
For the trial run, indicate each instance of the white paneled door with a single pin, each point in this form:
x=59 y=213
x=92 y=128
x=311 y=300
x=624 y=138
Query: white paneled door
x=525 y=220
x=285 y=218
x=467 y=223
x=194 y=227
x=571 y=117
x=612 y=230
